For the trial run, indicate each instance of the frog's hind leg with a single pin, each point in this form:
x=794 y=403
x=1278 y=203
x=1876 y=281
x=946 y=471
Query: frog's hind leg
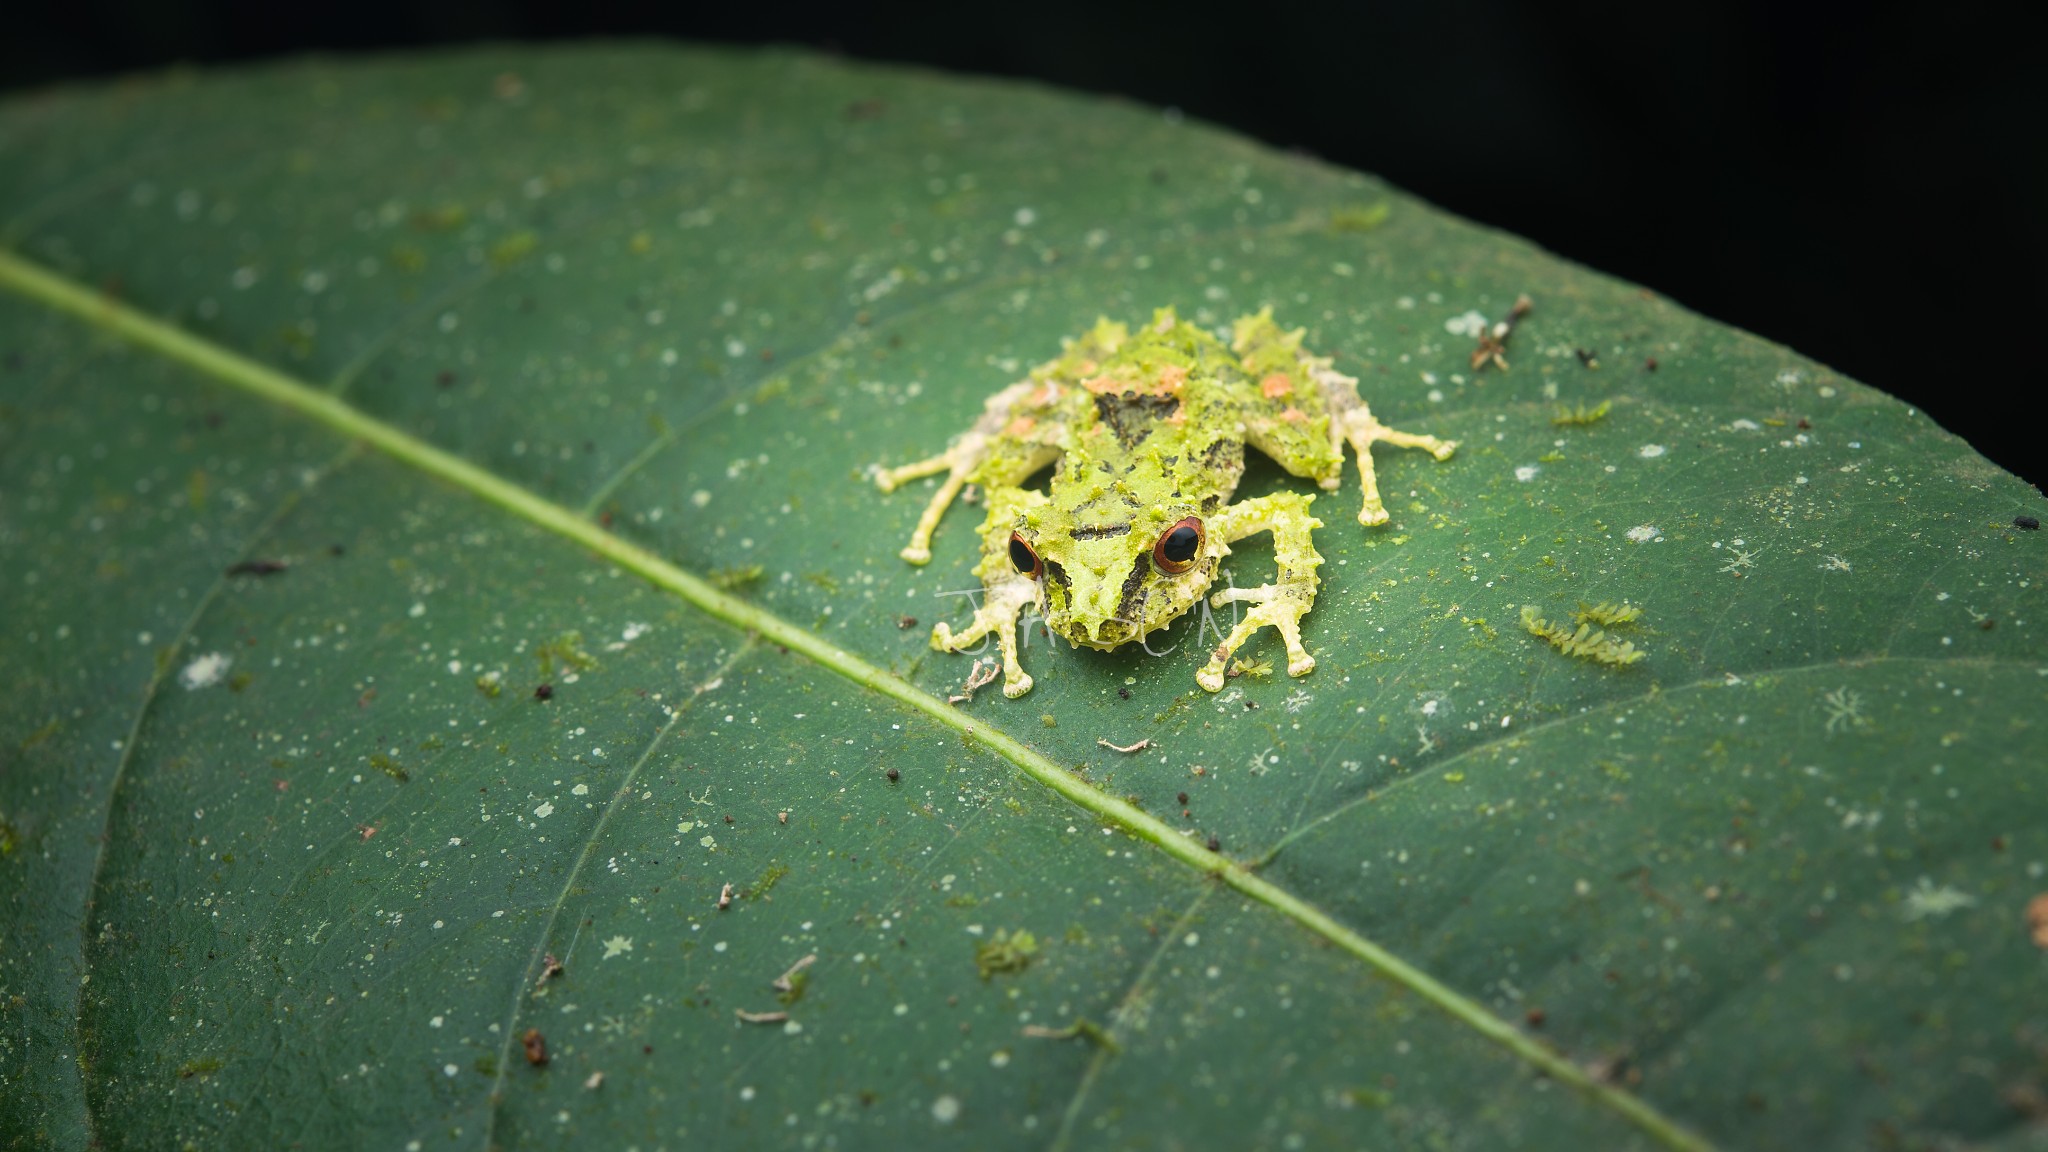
x=1281 y=603
x=1352 y=421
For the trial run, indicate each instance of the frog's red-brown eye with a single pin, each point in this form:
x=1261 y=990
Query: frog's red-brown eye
x=1025 y=557
x=1178 y=546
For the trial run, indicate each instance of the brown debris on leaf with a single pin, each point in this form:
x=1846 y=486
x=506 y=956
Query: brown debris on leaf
x=983 y=672
x=1493 y=342
x=549 y=969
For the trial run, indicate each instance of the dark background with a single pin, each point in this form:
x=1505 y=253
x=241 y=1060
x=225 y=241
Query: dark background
x=1863 y=182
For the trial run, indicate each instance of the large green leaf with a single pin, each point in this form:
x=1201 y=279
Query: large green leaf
x=503 y=354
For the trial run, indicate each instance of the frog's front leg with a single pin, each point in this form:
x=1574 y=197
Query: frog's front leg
x=1007 y=444
x=1005 y=591
x=957 y=462
x=1281 y=603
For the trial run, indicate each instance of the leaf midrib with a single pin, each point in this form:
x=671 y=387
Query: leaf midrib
x=66 y=296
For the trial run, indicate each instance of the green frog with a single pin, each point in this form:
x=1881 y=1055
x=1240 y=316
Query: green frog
x=1147 y=432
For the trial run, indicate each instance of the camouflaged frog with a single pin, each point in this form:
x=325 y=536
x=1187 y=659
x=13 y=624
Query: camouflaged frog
x=1148 y=431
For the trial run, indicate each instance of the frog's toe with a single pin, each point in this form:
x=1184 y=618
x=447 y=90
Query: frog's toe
x=1014 y=688
x=1210 y=677
x=1258 y=595
x=917 y=554
x=942 y=638
x=1301 y=665
x=1372 y=517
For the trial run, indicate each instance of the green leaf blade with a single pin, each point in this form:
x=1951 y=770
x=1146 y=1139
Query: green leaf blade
x=547 y=279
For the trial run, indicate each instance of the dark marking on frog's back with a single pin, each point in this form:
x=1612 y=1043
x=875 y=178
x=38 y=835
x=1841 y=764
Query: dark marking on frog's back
x=1101 y=532
x=1223 y=453
x=1131 y=416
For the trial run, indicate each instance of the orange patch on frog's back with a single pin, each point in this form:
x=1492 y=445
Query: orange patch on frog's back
x=1275 y=386
x=1170 y=380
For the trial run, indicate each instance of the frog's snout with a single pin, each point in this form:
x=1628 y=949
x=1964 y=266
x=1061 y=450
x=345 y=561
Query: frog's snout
x=1104 y=633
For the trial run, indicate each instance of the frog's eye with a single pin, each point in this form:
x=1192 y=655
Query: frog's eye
x=1025 y=557
x=1178 y=546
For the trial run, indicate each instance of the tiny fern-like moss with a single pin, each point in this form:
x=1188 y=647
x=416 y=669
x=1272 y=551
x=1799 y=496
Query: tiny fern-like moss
x=1586 y=642
x=1582 y=414
x=1607 y=613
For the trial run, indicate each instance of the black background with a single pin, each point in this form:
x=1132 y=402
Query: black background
x=1865 y=183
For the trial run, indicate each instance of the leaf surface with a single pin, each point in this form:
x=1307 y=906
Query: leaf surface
x=476 y=373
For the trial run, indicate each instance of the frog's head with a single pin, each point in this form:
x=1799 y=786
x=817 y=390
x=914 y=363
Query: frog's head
x=1106 y=581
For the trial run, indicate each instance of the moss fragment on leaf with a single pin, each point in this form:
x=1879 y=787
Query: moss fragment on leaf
x=1360 y=217
x=514 y=248
x=1581 y=414
x=768 y=879
x=202 y=1067
x=1586 y=643
x=565 y=651
x=1607 y=613
x=1005 y=952
x=733 y=577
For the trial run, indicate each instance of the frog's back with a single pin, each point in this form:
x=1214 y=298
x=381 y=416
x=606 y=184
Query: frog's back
x=1156 y=412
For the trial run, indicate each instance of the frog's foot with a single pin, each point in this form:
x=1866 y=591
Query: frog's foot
x=1279 y=605
x=997 y=615
x=1363 y=430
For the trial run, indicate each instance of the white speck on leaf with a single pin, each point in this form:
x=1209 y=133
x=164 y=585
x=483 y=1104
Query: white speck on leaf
x=1844 y=709
x=1643 y=533
x=617 y=946
x=1925 y=901
x=1650 y=451
x=205 y=671
x=1470 y=324
x=1527 y=472
x=546 y=809
x=946 y=1109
